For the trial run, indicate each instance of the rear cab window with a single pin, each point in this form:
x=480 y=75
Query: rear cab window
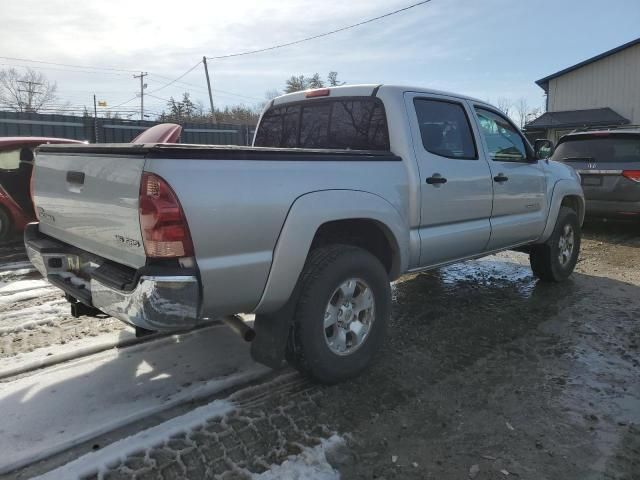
x=339 y=123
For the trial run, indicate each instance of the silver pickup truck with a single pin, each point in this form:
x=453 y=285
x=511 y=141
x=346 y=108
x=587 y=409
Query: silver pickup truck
x=344 y=190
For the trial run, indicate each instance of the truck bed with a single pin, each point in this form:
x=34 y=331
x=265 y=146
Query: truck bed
x=235 y=199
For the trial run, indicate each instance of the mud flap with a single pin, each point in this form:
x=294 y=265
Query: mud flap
x=272 y=334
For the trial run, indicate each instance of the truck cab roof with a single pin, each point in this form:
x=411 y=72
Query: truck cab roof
x=366 y=90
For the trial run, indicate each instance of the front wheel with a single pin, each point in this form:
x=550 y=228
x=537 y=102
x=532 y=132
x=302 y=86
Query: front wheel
x=554 y=260
x=341 y=315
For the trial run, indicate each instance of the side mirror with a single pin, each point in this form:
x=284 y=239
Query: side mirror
x=543 y=148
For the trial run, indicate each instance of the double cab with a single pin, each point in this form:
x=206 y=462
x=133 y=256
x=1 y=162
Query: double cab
x=344 y=190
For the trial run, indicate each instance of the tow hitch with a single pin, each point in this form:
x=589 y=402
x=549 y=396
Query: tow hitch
x=79 y=309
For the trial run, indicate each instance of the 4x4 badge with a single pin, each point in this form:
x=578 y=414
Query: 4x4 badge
x=129 y=242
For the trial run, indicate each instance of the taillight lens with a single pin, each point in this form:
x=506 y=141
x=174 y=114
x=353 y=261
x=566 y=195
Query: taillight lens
x=33 y=201
x=165 y=232
x=318 y=92
x=632 y=175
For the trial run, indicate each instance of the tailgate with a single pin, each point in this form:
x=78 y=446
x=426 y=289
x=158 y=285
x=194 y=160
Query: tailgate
x=605 y=181
x=88 y=197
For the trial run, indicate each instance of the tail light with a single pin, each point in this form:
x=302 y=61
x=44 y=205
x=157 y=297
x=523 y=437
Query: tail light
x=632 y=175
x=33 y=200
x=318 y=92
x=165 y=232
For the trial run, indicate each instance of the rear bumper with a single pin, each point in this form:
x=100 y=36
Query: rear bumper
x=154 y=301
x=607 y=208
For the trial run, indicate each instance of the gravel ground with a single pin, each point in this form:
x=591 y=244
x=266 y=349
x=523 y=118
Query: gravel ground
x=486 y=374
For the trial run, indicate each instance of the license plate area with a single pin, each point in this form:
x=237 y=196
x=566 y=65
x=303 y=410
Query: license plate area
x=592 y=180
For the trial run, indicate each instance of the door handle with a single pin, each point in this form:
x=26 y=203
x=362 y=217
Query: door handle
x=75 y=177
x=436 y=179
x=500 y=178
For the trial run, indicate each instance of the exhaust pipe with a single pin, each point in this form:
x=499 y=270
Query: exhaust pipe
x=235 y=323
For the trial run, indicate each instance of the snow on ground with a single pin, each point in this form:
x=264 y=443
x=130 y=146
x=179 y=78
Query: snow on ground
x=58 y=353
x=27 y=266
x=58 y=407
x=96 y=462
x=310 y=464
x=29 y=317
x=21 y=296
x=22 y=285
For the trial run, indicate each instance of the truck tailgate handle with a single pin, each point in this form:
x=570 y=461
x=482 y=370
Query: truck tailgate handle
x=75 y=177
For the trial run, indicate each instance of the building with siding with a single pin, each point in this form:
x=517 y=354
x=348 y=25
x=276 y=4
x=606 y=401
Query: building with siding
x=603 y=91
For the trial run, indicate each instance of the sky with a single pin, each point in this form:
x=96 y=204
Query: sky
x=488 y=49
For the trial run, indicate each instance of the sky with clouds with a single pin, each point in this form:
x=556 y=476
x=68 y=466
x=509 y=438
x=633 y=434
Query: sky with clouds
x=483 y=48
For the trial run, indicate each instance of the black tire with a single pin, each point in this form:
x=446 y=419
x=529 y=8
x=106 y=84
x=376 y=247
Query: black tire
x=544 y=258
x=325 y=270
x=6 y=228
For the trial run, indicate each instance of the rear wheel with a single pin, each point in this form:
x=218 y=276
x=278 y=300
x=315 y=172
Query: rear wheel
x=341 y=314
x=554 y=260
x=6 y=228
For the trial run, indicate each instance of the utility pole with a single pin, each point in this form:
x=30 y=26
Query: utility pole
x=95 y=117
x=206 y=72
x=142 y=87
x=30 y=91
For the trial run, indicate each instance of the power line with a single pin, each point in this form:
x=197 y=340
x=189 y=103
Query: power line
x=177 y=79
x=193 y=85
x=113 y=69
x=314 y=37
x=61 y=69
x=123 y=103
x=159 y=98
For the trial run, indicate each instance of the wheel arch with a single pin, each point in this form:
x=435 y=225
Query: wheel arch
x=334 y=216
x=565 y=193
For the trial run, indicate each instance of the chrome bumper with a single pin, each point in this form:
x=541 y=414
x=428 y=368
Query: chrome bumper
x=157 y=302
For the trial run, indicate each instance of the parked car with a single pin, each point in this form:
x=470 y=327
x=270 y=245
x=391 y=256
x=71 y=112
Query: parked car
x=608 y=162
x=345 y=189
x=16 y=164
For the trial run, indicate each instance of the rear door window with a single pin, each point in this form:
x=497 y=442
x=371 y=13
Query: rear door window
x=445 y=129
x=350 y=123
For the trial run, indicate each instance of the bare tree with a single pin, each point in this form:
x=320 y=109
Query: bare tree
x=271 y=94
x=522 y=109
x=525 y=113
x=504 y=105
x=29 y=91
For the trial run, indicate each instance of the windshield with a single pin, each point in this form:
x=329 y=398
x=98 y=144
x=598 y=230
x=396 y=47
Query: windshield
x=598 y=149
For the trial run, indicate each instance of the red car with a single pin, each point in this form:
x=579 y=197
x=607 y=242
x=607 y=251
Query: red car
x=16 y=163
